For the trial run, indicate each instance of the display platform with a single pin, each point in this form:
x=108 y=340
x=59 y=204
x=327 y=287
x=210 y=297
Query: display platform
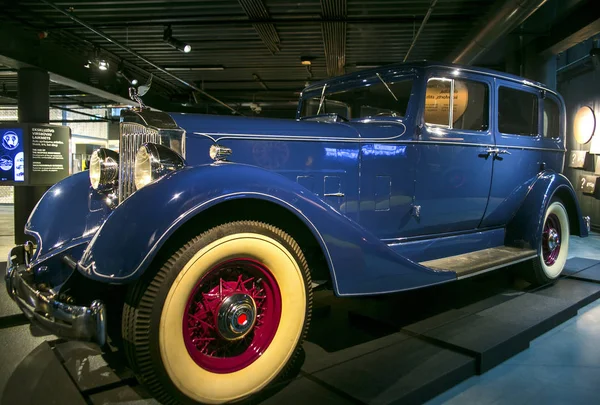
x=402 y=348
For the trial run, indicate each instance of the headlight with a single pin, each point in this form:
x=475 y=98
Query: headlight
x=153 y=161
x=104 y=169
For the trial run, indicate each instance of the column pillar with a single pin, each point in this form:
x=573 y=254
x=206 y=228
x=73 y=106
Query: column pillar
x=33 y=88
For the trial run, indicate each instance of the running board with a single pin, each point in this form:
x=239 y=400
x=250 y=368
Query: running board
x=481 y=261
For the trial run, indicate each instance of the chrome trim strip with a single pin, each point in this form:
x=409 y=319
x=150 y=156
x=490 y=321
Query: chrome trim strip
x=420 y=238
x=254 y=137
x=219 y=136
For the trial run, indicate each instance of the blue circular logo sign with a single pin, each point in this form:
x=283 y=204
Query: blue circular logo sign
x=10 y=140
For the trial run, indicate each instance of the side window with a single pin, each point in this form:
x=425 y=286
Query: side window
x=517 y=112
x=467 y=110
x=551 y=119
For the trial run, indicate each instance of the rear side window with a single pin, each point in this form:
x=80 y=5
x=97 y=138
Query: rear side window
x=551 y=119
x=517 y=112
x=469 y=105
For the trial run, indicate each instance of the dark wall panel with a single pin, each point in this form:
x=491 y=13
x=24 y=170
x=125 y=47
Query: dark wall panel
x=582 y=89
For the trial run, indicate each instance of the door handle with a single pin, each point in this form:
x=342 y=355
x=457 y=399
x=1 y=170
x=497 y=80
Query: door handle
x=489 y=151
x=502 y=152
x=334 y=195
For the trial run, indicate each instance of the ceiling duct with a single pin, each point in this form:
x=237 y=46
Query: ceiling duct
x=504 y=17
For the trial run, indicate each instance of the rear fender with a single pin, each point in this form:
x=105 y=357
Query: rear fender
x=525 y=228
x=128 y=241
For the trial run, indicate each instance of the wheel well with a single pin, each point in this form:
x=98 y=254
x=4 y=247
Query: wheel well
x=567 y=199
x=257 y=210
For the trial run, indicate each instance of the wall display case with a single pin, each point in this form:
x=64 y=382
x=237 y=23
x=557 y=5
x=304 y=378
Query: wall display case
x=580 y=159
x=588 y=184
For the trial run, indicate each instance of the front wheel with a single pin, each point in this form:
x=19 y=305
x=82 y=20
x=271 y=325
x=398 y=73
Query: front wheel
x=554 y=246
x=222 y=317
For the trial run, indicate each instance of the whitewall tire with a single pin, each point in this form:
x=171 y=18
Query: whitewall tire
x=554 y=248
x=222 y=318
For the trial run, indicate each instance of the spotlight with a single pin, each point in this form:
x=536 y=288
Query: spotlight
x=174 y=42
x=87 y=64
x=134 y=82
x=102 y=64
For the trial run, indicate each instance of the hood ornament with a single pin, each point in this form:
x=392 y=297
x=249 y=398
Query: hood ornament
x=137 y=94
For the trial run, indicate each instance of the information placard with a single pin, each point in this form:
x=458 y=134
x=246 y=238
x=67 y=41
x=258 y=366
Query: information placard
x=34 y=154
x=12 y=156
x=587 y=184
x=49 y=154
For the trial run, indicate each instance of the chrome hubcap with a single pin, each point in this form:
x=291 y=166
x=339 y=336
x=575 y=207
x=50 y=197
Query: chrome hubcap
x=553 y=239
x=236 y=316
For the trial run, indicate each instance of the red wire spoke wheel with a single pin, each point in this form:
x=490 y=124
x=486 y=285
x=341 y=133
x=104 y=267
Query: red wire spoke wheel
x=222 y=317
x=551 y=239
x=554 y=246
x=232 y=315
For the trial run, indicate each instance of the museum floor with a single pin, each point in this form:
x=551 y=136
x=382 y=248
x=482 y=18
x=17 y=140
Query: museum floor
x=366 y=360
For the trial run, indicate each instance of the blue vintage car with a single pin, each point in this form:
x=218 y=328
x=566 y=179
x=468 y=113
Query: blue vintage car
x=201 y=241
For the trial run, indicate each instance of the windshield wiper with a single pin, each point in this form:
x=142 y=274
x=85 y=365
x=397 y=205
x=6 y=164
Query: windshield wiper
x=387 y=87
x=322 y=98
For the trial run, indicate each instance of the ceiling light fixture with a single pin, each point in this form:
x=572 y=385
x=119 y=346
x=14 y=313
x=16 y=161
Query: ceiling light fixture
x=174 y=42
x=306 y=60
x=102 y=64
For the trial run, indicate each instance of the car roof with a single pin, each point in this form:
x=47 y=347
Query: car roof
x=424 y=65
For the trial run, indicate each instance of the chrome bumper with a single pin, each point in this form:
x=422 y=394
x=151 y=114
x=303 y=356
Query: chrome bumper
x=61 y=319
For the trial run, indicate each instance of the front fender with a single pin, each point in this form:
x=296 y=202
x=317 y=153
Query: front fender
x=527 y=224
x=127 y=242
x=68 y=214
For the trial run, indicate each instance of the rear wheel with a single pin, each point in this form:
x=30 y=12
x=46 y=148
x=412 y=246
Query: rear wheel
x=222 y=318
x=548 y=266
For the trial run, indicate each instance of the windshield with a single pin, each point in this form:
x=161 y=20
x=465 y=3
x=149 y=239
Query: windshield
x=376 y=98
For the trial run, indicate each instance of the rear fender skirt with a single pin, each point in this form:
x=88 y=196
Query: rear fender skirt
x=525 y=228
x=127 y=242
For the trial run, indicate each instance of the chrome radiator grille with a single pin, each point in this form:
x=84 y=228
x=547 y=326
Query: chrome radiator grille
x=133 y=136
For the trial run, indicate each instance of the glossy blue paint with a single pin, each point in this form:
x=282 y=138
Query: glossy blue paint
x=360 y=262
x=69 y=213
x=355 y=184
x=525 y=228
x=423 y=249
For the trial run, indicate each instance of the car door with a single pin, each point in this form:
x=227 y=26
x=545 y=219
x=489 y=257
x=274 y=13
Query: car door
x=454 y=165
x=519 y=144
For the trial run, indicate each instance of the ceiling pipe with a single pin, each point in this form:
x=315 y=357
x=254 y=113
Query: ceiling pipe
x=423 y=23
x=134 y=53
x=504 y=17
